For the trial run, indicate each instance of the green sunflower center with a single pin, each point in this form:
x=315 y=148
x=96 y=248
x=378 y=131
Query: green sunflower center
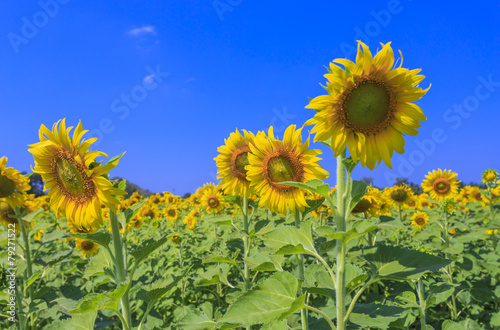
x=281 y=169
x=7 y=186
x=70 y=177
x=399 y=195
x=419 y=221
x=213 y=201
x=239 y=160
x=368 y=105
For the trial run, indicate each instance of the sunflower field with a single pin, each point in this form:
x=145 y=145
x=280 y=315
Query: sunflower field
x=271 y=245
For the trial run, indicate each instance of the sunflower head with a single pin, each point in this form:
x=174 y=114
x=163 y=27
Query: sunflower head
x=399 y=194
x=449 y=205
x=272 y=161
x=86 y=248
x=419 y=220
x=490 y=176
x=13 y=185
x=76 y=183
x=441 y=184
x=231 y=162
x=366 y=204
x=369 y=106
x=212 y=199
x=175 y=238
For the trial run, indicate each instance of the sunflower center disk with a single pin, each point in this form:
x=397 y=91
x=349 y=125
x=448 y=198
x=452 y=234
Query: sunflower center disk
x=281 y=169
x=70 y=177
x=7 y=186
x=5 y=211
x=213 y=202
x=399 y=195
x=420 y=221
x=441 y=186
x=368 y=106
x=87 y=245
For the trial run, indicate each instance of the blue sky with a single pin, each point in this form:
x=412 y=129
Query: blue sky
x=167 y=81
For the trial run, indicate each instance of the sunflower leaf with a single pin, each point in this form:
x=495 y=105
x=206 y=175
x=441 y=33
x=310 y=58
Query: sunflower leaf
x=314 y=186
x=130 y=213
x=147 y=248
x=83 y=321
x=96 y=302
x=32 y=215
x=102 y=237
x=116 y=158
x=357 y=192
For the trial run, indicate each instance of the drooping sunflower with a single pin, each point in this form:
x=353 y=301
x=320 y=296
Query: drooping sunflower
x=273 y=161
x=87 y=248
x=231 y=162
x=212 y=199
x=366 y=205
x=13 y=185
x=441 y=184
x=419 y=220
x=369 y=106
x=76 y=183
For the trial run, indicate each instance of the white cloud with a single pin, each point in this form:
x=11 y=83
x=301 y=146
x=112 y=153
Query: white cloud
x=137 y=32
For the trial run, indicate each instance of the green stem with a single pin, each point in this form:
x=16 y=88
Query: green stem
x=322 y=314
x=120 y=269
x=341 y=248
x=356 y=297
x=246 y=246
x=300 y=269
x=27 y=256
x=422 y=303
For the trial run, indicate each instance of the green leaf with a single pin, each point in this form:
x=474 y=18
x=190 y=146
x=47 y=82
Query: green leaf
x=467 y=324
x=33 y=278
x=126 y=216
x=357 y=192
x=158 y=289
x=297 y=305
x=148 y=247
x=116 y=158
x=96 y=302
x=375 y=315
x=407 y=299
x=235 y=199
x=402 y=264
x=221 y=259
x=349 y=164
x=101 y=237
x=99 y=263
x=122 y=185
x=293 y=239
x=263 y=261
x=315 y=186
x=265 y=303
x=223 y=220
x=84 y=322
x=197 y=321
x=344 y=238
x=312 y=204
x=30 y=216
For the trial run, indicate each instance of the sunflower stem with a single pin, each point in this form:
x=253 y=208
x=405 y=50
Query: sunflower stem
x=27 y=256
x=300 y=269
x=246 y=245
x=422 y=303
x=341 y=248
x=121 y=272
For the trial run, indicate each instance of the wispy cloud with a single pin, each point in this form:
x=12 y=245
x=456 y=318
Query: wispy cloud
x=190 y=80
x=137 y=32
x=149 y=79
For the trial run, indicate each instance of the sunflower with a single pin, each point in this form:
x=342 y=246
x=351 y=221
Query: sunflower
x=190 y=221
x=87 y=248
x=273 y=161
x=171 y=213
x=75 y=181
x=366 y=205
x=5 y=211
x=419 y=220
x=231 y=162
x=399 y=194
x=13 y=185
x=212 y=199
x=490 y=176
x=369 y=106
x=449 y=205
x=175 y=238
x=441 y=184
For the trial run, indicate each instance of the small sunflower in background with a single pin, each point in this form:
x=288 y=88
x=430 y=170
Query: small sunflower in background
x=76 y=183
x=273 y=161
x=399 y=194
x=367 y=204
x=87 y=248
x=190 y=221
x=171 y=213
x=175 y=238
x=231 y=162
x=449 y=206
x=419 y=220
x=13 y=185
x=212 y=199
x=369 y=106
x=491 y=231
x=441 y=184
x=490 y=176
